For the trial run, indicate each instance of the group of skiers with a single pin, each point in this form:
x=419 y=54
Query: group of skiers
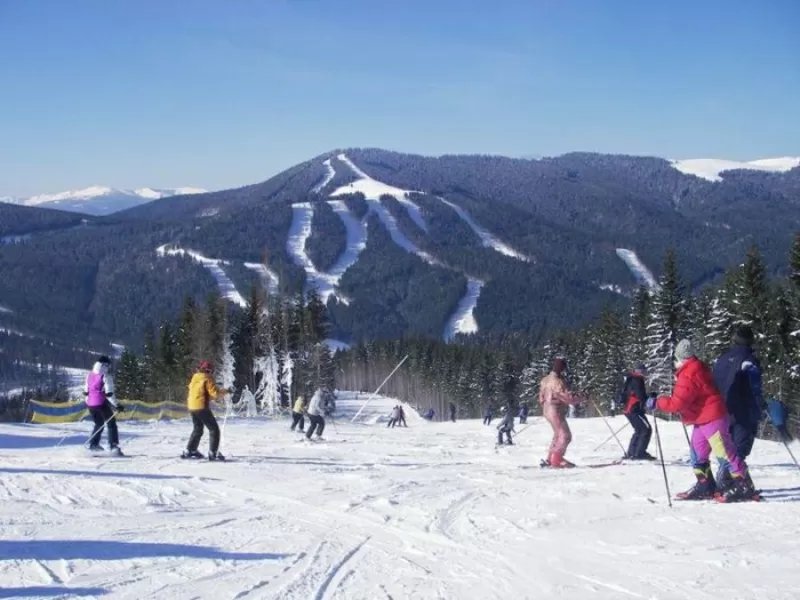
x=724 y=405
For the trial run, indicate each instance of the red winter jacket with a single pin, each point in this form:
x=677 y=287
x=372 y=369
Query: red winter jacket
x=695 y=396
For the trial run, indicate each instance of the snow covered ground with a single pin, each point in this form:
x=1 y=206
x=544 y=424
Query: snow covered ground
x=488 y=239
x=463 y=320
x=330 y=173
x=432 y=511
x=226 y=286
x=374 y=189
x=638 y=268
x=710 y=168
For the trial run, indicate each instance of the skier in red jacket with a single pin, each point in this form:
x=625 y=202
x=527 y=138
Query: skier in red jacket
x=699 y=403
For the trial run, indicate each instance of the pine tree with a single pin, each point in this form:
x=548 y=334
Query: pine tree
x=186 y=339
x=667 y=324
x=149 y=367
x=635 y=347
x=128 y=381
x=778 y=344
x=700 y=320
x=751 y=299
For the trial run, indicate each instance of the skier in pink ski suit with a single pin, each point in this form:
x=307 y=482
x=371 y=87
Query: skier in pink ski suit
x=555 y=398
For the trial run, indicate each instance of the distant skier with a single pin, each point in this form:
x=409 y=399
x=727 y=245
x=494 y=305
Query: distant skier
x=402 y=415
x=99 y=391
x=634 y=398
x=488 y=414
x=429 y=414
x=737 y=374
x=316 y=415
x=298 y=414
x=202 y=390
x=523 y=413
x=555 y=398
x=452 y=412
x=699 y=403
x=394 y=417
x=778 y=415
x=506 y=426
x=249 y=400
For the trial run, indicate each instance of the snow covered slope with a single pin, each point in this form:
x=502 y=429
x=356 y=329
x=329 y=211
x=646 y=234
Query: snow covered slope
x=226 y=286
x=710 y=168
x=463 y=321
x=100 y=200
x=431 y=511
x=638 y=268
x=488 y=240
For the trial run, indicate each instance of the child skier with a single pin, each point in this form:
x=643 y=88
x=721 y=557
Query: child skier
x=99 y=390
x=634 y=396
x=402 y=415
x=699 y=403
x=298 y=412
x=555 y=398
x=506 y=426
x=202 y=390
x=394 y=418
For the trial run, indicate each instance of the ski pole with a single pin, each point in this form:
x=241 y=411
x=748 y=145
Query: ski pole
x=363 y=406
x=663 y=465
x=519 y=433
x=611 y=429
x=789 y=450
x=609 y=438
x=102 y=427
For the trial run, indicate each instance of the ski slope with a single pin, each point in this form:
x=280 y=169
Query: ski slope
x=487 y=239
x=638 y=268
x=431 y=511
x=374 y=189
x=463 y=320
x=226 y=286
x=268 y=277
x=330 y=173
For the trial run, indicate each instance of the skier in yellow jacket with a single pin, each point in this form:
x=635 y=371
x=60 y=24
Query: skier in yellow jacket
x=202 y=390
x=298 y=414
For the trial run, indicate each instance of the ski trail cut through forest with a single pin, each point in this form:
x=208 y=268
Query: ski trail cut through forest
x=226 y=286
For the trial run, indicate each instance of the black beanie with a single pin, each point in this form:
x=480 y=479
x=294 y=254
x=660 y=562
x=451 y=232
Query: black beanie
x=743 y=336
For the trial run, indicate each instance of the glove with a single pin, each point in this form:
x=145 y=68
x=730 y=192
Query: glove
x=121 y=408
x=651 y=403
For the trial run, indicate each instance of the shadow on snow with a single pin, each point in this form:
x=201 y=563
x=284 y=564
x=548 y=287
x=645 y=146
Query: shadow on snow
x=40 y=591
x=23 y=471
x=109 y=550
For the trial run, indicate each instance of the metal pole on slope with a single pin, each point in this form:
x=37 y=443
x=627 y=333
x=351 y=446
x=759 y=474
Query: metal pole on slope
x=611 y=429
x=609 y=438
x=663 y=465
x=363 y=406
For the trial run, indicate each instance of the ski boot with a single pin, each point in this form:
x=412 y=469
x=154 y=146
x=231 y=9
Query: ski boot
x=115 y=451
x=739 y=490
x=191 y=454
x=96 y=448
x=704 y=489
x=216 y=456
x=557 y=461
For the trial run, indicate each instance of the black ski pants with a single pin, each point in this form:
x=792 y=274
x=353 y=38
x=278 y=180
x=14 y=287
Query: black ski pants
x=298 y=419
x=487 y=420
x=200 y=419
x=101 y=414
x=743 y=436
x=500 y=433
x=390 y=423
x=641 y=434
x=317 y=425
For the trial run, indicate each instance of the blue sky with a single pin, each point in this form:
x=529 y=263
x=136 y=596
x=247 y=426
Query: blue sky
x=229 y=92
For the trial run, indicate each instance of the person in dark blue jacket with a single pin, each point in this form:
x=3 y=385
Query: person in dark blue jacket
x=488 y=414
x=737 y=375
x=634 y=394
x=523 y=413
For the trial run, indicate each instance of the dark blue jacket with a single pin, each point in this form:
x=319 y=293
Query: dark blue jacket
x=737 y=374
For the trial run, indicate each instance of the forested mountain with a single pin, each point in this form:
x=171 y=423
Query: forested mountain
x=396 y=245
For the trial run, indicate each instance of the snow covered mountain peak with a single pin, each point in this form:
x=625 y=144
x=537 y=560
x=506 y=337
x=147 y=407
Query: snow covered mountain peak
x=100 y=200
x=710 y=168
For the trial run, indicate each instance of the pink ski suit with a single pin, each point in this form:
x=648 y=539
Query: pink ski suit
x=555 y=398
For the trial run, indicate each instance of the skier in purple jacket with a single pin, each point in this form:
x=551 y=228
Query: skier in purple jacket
x=99 y=391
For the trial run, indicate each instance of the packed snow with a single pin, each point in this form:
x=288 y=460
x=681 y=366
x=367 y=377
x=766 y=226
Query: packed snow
x=463 y=319
x=356 y=239
x=487 y=239
x=374 y=189
x=610 y=287
x=268 y=277
x=330 y=173
x=335 y=345
x=638 y=268
x=226 y=286
x=428 y=511
x=710 y=168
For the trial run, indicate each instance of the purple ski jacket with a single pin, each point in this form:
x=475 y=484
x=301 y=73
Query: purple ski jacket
x=99 y=386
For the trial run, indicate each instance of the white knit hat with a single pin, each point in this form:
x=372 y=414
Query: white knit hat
x=684 y=350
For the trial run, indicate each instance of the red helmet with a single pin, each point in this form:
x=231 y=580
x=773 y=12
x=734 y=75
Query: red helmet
x=205 y=366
